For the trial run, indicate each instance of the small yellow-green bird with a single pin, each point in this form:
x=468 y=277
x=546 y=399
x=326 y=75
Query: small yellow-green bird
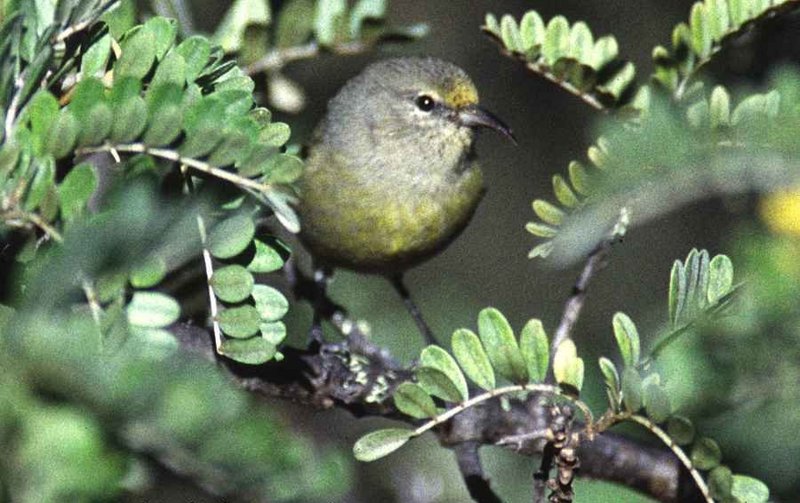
x=391 y=176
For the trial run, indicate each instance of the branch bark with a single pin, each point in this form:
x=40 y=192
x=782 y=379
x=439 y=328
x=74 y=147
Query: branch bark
x=328 y=379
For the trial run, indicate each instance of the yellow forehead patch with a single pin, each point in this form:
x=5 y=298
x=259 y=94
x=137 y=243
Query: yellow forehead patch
x=460 y=93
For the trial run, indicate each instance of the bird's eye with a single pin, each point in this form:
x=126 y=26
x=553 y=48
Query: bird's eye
x=425 y=103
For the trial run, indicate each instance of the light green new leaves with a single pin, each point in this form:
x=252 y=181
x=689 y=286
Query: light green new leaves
x=230 y=33
x=567 y=55
x=749 y=489
x=535 y=349
x=567 y=367
x=501 y=346
x=627 y=339
x=470 y=354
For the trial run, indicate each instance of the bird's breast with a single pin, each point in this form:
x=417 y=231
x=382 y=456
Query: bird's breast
x=375 y=219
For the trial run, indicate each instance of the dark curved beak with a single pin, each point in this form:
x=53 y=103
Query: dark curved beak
x=475 y=116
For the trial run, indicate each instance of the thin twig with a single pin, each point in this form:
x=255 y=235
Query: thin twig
x=684 y=459
x=572 y=309
x=278 y=58
x=34 y=219
x=82 y=25
x=172 y=155
x=91 y=299
x=208 y=265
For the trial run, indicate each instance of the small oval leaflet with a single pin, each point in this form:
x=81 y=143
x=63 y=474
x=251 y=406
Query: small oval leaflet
x=239 y=322
x=152 y=309
x=231 y=236
x=412 y=400
x=470 y=354
x=232 y=283
x=380 y=443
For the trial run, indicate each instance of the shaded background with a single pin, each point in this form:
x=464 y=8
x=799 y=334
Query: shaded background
x=488 y=264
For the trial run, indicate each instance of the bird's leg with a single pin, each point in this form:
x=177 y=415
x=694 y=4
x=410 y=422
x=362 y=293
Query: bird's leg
x=321 y=277
x=400 y=287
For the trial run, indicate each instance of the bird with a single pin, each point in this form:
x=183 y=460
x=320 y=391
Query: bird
x=391 y=177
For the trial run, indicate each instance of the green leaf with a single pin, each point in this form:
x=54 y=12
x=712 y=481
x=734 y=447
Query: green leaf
x=76 y=189
x=329 y=20
x=231 y=236
x=611 y=379
x=719 y=108
x=535 y=349
x=567 y=367
x=63 y=134
x=239 y=322
x=681 y=430
x=563 y=192
x=749 y=490
x=509 y=33
x=165 y=112
x=470 y=354
x=381 y=443
x=627 y=339
x=677 y=291
x=172 y=70
x=501 y=347
x=95 y=59
x=43 y=111
x=720 y=279
x=631 y=389
x=412 y=400
x=138 y=54
x=547 y=212
x=706 y=454
x=266 y=258
x=91 y=111
x=437 y=383
x=275 y=134
x=43 y=180
x=720 y=483
x=701 y=36
x=282 y=169
x=556 y=39
x=295 y=23
x=279 y=202
x=149 y=273
x=152 y=309
x=437 y=358
x=363 y=11
x=230 y=33
x=195 y=51
x=541 y=230
x=250 y=351
x=164 y=31
x=232 y=283
x=273 y=332
x=531 y=29
x=270 y=303
x=656 y=403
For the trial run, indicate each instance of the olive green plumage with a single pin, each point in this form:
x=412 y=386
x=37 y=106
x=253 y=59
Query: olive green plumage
x=391 y=178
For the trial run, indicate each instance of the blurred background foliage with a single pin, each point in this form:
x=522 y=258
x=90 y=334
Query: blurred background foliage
x=738 y=380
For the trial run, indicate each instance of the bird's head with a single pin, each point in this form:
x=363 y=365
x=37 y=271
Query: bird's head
x=418 y=98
